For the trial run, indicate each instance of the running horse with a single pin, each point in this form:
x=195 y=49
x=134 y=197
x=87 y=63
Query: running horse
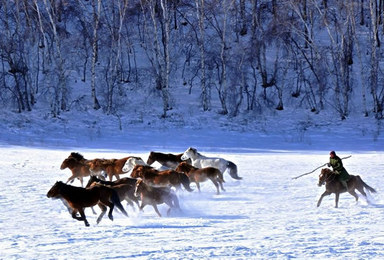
x=168 y=160
x=112 y=167
x=161 y=178
x=77 y=198
x=333 y=185
x=133 y=161
x=201 y=161
x=156 y=195
x=197 y=175
x=78 y=165
x=125 y=188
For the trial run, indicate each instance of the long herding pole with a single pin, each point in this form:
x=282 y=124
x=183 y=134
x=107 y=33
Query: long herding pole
x=294 y=178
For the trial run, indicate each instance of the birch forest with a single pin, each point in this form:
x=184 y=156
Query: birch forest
x=239 y=55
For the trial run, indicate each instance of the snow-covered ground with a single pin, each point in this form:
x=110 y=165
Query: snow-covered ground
x=264 y=216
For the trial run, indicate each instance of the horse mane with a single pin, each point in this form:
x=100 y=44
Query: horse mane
x=196 y=152
x=142 y=170
x=76 y=156
x=328 y=171
x=186 y=166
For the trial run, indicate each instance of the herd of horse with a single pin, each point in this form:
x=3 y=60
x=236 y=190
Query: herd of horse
x=147 y=185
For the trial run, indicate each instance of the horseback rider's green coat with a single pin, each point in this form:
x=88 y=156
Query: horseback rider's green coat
x=338 y=167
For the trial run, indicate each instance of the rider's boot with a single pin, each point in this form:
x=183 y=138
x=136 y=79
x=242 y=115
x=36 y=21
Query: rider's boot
x=345 y=185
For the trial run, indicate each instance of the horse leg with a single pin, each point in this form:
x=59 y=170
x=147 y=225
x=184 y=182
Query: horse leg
x=130 y=203
x=169 y=211
x=221 y=184
x=81 y=181
x=198 y=186
x=134 y=199
x=74 y=215
x=353 y=193
x=361 y=190
x=111 y=206
x=170 y=204
x=93 y=211
x=143 y=204
x=326 y=193
x=216 y=185
x=337 y=195
x=103 y=211
x=156 y=209
x=82 y=214
x=71 y=179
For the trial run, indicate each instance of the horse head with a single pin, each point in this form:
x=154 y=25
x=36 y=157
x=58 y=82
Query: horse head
x=184 y=167
x=76 y=156
x=54 y=192
x=324 y=176
x=67 y=163
x=131 y=163
x=190 y=153
x=138 y=187
x=151 y=158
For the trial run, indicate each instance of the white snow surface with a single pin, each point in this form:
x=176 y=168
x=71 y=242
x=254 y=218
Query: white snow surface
x=267 y=215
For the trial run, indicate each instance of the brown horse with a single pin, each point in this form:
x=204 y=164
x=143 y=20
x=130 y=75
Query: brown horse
x=77 y=199
x=112 y=167
x=161 y=178
x=166 y=159
x=333 y=185
x=155 y=195
x=197 y=175
x=78 y=165
x=125 y=188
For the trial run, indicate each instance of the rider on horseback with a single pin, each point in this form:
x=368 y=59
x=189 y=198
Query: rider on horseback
x=338 y=168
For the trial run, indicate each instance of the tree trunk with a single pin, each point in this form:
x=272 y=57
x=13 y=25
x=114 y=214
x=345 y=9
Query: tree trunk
x=96 y=17
x=201 y=42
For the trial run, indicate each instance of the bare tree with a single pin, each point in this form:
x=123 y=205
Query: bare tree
x=159 y=35
x=201 y=43
x=60 y=93
x=96 y=18
x=377 y=91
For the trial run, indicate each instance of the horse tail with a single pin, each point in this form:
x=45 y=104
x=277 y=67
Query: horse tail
x=116 y=201
x=233 y=170
x=366 y=185
x=184 y=179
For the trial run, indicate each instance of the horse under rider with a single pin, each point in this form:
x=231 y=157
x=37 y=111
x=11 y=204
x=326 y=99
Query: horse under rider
x=338 y=168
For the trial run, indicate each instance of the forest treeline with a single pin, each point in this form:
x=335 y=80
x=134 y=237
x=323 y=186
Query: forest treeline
x=242 y=54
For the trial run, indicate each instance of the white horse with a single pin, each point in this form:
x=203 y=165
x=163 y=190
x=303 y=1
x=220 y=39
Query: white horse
x=201 y=161
x=133 y=161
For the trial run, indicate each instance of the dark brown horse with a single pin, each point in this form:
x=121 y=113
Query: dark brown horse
x=166 y=159
x=125 y=188
x=77 y=199
x=333 y=185
x=78 y=165
x=161 y=178
x=112 y=167
x=197 y=175
x=156 y=195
